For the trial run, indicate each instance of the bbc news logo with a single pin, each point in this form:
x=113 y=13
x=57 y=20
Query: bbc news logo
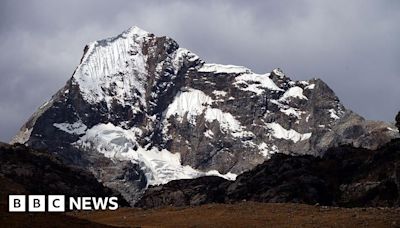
x=57 y=203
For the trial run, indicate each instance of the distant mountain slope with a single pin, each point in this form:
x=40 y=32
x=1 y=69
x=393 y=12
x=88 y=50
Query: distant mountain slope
x=345 y=176
x=140 y=110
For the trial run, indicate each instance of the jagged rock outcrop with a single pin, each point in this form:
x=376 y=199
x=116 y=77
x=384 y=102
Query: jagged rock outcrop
x=344 y=176
x=140 y=110
x=398 y=121
x=202 y=190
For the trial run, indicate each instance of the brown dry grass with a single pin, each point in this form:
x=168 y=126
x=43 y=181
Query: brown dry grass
x=247 y=214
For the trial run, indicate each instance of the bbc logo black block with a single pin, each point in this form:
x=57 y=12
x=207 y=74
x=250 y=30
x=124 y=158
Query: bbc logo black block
x=36 y=203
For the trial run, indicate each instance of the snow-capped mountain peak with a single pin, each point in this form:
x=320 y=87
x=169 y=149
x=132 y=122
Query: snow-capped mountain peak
x=140 y=110
x=115 y=66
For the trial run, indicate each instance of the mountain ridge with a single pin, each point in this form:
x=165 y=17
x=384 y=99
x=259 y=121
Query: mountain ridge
x=345 y=176
x=140 y=110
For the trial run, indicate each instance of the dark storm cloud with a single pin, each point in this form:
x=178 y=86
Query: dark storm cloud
x=352 y=45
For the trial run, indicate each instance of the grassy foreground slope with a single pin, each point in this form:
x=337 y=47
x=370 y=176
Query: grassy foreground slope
x=247 y=214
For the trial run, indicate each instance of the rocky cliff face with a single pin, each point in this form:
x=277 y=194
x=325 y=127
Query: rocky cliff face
x=344 y=176
x=140 y=110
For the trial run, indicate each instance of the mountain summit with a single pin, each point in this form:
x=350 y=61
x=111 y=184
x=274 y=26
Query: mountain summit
x=139 y=110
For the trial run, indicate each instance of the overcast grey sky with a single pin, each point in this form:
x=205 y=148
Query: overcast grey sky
x=354 y=46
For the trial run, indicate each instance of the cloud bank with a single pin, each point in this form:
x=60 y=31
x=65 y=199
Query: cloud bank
x=352 y=45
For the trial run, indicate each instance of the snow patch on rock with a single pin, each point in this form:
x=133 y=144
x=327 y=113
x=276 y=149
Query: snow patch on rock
x=266 y=150
x=292 y=111
x=226 y=121
x=333 y=114
x=190 y=103
x=278 y=72
x=312 y=86
x=281 y=133
x=228 y=176
x=293 y=92
x=219 y=93
x=209 y=133
x=219 y=68
x=180 y=55
x=256 y=83
x=77 y=128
